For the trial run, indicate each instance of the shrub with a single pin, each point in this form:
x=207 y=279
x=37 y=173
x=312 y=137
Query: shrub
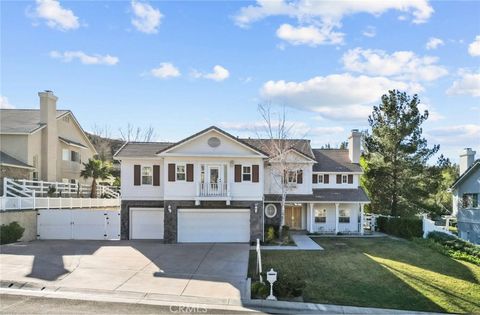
x=260 y=290
x=401 y=227
x=288 y=285
x=271 y=234
x=10 y=233
x=455 y=247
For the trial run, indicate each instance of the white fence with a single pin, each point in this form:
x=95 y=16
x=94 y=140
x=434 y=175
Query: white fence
x=18 y=203
x=429 y=226
x=259 y=260
x=30 y=188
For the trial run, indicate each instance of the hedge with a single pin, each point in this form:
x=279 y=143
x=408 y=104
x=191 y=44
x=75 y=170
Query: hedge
x=456 y=247
x=10 y=233
x=401 y=227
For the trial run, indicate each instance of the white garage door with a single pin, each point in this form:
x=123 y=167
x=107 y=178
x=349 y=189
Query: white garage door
x=78 y=224
x=146 y=223
x=213 y=225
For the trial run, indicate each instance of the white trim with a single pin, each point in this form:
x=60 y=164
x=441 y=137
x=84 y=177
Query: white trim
x=209 y=155
x=17 y=166
x=184 y=171
x=251 y=173
x=274 y=214
x=165 y=153
x=227 y=210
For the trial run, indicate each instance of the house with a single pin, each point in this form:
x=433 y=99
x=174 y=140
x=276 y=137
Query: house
x=466 y=190
x=42 y=144
x=215 y=187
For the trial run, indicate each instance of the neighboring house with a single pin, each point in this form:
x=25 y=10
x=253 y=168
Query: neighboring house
x=466 y=191
x=42 y=144
x=214 y=187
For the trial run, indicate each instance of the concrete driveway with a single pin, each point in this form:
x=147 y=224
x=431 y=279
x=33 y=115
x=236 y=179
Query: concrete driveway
x=199 y=270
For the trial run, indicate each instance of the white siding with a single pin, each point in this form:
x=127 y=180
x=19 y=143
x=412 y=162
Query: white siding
x=333 y=181
x=142 y=192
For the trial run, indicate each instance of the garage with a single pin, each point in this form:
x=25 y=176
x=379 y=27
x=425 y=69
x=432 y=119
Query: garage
x=78 y=224
x=146 y=223
x=213 y=225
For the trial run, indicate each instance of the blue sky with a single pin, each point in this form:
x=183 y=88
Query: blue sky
x=182 y=66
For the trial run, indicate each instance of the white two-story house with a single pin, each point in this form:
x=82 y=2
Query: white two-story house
x=214 y=187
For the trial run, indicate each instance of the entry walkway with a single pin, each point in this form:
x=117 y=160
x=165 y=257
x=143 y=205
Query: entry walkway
x=302 y=241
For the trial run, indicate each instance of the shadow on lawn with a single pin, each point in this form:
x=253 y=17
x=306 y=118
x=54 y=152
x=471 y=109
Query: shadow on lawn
x=418 y=256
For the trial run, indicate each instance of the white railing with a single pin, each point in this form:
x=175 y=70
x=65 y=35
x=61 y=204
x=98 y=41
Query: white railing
x=29 y=188
x=259 y=260
x=429 y=226
x=19 y=203
x=213 y=190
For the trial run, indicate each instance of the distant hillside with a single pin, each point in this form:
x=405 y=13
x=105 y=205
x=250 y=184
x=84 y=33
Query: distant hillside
x=105 y=147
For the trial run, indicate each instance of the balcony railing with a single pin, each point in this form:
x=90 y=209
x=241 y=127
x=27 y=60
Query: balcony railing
x=213 y=190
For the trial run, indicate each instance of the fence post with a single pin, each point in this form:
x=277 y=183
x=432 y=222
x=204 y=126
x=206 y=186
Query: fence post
x=20 y=202
x=48 y=202
x=259 y=261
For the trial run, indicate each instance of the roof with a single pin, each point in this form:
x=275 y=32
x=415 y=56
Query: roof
x=22 y=120
x=223 y=132
x=334 y=160
x=324 y=195
x=466 y=173
x=71 y=142
x=300 y=145
x=141 y=149
x=10 y=160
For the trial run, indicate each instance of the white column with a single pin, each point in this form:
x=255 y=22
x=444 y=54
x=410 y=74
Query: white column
x=361 y=218
x=311 y=217
x=337 y=205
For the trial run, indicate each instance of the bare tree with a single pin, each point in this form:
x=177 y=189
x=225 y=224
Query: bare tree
x=132 y=133
x=284 y=165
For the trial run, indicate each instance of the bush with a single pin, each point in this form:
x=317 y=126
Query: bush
x=455 y=247
x=401 y=227
x=271 y=234
x=260 y=290
x=10 y=233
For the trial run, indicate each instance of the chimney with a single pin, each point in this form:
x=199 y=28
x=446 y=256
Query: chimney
x=354 y=146
x=467 y=157
x=48 y=116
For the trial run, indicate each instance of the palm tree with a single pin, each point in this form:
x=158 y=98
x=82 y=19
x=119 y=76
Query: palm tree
x=95 y=169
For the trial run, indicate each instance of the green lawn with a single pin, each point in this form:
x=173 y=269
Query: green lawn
x=380 y=272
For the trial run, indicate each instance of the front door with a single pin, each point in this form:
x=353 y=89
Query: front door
x=293 y=217
x=214 y=181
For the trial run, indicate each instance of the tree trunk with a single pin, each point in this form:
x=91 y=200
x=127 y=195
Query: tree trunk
x=93 y=193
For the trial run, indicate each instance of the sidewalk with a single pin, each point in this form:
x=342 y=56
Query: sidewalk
x=228 y=305
x=302 y=241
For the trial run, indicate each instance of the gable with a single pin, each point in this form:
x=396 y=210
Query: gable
x=470 y=180
x=293 y=156
x=69 y=130
x=212 y=142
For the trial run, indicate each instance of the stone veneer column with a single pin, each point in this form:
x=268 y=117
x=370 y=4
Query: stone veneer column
x=170 y=223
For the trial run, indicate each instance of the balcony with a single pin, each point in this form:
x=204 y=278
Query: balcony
x=213 y=191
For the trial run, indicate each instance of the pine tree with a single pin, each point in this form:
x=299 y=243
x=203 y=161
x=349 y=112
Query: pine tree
x=397 y=176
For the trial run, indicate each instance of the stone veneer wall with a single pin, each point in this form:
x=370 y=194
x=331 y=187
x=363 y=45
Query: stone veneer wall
x=125 y=213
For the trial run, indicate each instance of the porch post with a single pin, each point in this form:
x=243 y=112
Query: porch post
x=311 y=217
x=337 y=205
x=361 y=218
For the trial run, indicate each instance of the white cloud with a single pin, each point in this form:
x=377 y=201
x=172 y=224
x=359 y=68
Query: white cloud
x=219 y=73
x=308 y=35
x=165 y=70
x=454 y=135
x=56 y=16
x=434 y=43
x=370 y=31
x=323 y=17
x=400 y=64
x=433 y=115
x=146 y=18
x=336 y=96
x=4 y=103
x=467 y=84
x=95 y=59
x=474 y=47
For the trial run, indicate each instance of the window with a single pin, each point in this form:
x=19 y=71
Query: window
x=75 y=156
x=270 y=210
x=344 y=216
x=147 y=176
x=65 y=154
x=292 y=177
x=320 y=179
x=344 y=179
x=470 y=200
x=320 y=215
x=246 y=173
x=181 y=172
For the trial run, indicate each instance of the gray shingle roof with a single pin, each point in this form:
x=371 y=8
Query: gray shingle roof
x=8 y=159
x=334 y=160
x=68 y=141
x=300 y=145
x=22 y=120
x=324 y=195
x=141 y=149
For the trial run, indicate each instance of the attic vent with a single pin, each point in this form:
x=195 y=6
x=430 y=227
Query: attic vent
x=214 y=142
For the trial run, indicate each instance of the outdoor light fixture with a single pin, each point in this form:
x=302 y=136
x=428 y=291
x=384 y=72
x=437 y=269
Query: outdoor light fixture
x=169 y=208
x=256 y=207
